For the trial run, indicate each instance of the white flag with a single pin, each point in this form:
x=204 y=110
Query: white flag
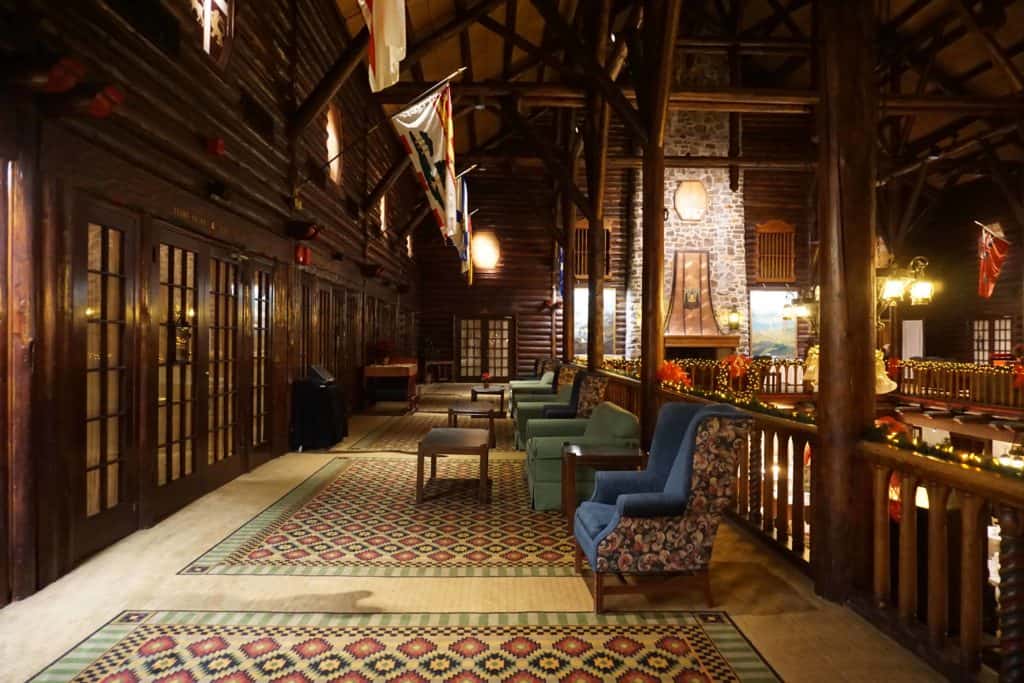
x=425 y=129
x=385 y=20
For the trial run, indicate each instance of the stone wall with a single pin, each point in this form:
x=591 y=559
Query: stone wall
x=720 y=232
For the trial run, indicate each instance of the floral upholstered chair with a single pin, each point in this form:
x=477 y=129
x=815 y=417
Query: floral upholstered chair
x=663 y=520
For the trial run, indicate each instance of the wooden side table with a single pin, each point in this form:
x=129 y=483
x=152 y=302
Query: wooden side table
x=441 y=440
x=469 y=409
x=598 y=457
x=498 y=391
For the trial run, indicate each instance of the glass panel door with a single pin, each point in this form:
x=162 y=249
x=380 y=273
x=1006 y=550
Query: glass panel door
x=261 y=302
x=222 y=411
x=498 y=348
x=470 y=348
x=105 y=496
x=176 y=365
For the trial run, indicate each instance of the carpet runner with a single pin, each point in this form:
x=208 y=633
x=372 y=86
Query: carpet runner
x=359 y=517
x=244 y=647
x=403 y=434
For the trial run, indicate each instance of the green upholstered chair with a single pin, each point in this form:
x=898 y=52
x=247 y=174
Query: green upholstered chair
x=563 y=406
x=608 y=425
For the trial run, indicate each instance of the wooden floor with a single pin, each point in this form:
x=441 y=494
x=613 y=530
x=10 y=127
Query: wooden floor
x=802 y=637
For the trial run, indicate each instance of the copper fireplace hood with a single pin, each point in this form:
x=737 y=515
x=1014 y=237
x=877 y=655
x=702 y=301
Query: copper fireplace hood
x=691 y=321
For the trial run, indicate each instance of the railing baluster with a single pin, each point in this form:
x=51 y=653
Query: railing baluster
x=743 y=480
x=782 y=502
x=971 y=553
x=769 y=482
x=756 y=475
x=800 y=443
x=907 y=590
x=938 y=564
x=882 y=572
x=1011 y=593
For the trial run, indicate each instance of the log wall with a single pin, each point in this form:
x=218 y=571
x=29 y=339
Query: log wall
x=150 y=163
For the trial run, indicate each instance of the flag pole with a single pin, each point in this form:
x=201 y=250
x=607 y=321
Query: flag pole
x=465 y=171
x=366 y=136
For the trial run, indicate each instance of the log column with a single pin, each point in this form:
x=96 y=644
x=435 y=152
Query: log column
x=568 y=210
x=1011 y=594
x=847 y=116
x=660 y=27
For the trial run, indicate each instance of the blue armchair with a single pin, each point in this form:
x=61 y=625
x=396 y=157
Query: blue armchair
x=664 y=520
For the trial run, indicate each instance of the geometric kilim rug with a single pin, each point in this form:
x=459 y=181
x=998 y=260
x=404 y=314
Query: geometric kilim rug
x=254 y=646
x=359 y=517
x=403 y=434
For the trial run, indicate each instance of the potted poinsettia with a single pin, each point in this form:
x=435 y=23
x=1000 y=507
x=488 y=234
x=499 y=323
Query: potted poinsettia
x=485 y=378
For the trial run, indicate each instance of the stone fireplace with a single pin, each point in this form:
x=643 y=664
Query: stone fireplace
x=720 y=232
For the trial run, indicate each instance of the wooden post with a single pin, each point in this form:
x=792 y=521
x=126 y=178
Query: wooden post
x=1011 y=595
x=660 y=27
x=569 y=227
x=840 y=550
x=597 y=165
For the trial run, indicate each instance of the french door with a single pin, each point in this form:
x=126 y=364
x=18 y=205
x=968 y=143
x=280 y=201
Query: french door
x=485 y=345
x=104 y=468
x=224 y=447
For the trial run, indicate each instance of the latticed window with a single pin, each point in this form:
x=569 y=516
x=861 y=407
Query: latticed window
x=775 y=252
x=991 y=336
x=214 y=19
x=582 y=266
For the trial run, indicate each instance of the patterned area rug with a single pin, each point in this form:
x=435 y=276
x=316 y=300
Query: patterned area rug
x=243 y=647
x=359 y=518
x=403 y=434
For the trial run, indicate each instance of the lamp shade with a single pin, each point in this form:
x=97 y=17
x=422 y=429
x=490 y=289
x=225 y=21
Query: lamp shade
x=691 y=200
x=485 y=251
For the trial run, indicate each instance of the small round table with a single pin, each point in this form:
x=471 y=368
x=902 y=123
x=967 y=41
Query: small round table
x=493 y=390
x=469 y=409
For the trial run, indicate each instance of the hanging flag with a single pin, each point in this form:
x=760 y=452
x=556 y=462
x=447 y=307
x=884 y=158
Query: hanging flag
x=463 y=239
x=992 y=250
x=385 y=20
x=561 y=272
x=425 y=128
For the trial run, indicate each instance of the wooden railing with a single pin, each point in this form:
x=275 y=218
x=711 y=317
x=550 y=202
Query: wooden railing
x=960 y=384
x=773 y=478
x=933 y=597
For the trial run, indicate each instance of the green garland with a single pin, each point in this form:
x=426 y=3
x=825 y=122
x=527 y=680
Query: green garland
x=943 y=452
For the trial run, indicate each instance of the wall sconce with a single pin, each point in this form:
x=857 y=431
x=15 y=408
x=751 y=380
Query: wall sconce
x=181 y=336
x=733 y=319
x=691 y=200
x=303 y=255
x=486 y=252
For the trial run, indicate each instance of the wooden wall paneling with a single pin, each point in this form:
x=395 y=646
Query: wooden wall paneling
x=282 y=351
x=5 y=404
x=23 y=294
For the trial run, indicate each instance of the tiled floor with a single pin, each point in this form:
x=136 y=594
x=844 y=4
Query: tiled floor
x=804 y=638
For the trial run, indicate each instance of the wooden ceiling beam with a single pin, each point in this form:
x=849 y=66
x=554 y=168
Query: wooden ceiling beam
x=511 y=7
x=330 y=84
x=626 y=161
x=772 y=47
x=449 y=30
x=593 y=72
x=988 y=137
x=767 y=26
x=542 y=56
x=466 y=52
x=1013 y=75
x=543 y=150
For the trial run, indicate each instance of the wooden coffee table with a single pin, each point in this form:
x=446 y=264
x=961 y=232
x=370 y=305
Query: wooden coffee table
x=441 y=441
x=598 y=457
x=498 y=391
x=470 y=409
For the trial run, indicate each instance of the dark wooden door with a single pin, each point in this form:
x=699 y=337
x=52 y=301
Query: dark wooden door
x=225 y=448
x=5 y=240
x=179 y=313
x=104 y=359
x=260 y=378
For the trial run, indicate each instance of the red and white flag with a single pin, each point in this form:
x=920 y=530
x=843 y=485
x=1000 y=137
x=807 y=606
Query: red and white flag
x=992 y=250
x=385 y=20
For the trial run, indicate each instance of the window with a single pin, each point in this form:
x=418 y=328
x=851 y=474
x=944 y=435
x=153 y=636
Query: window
x=990 y=337
x=775 y=252
x=382 y=209
x=582 y=248
x=261 y=293
x=334 y=143
x=214 y=19
x=581 y=317
x=408 y=245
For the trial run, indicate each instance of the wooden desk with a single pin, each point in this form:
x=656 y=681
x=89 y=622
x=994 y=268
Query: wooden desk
x=393 y=371
x=598 y=457
x=452 y=441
